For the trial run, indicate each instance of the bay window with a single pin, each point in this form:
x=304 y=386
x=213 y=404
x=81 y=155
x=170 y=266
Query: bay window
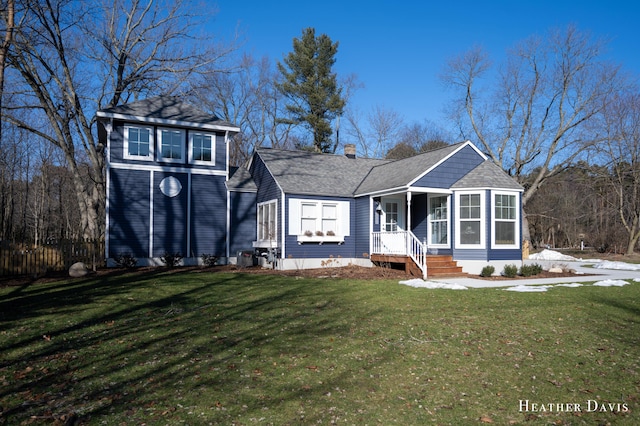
x=470 y=226
x=505 y=220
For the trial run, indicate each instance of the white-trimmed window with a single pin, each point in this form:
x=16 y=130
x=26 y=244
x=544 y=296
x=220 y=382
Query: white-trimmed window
x=319 y=219
x=138 y=143
x=171 y=145
x=202 y=149
x=470 y=223
x=506 y=217
x=267 y=223
x=439 y=220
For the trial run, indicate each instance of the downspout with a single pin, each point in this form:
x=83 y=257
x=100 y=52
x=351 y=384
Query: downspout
x=226 y=179
x=282 y=231
x=108 y=128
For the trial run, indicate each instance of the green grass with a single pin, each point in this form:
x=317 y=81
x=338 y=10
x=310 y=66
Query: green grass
x=222 y=348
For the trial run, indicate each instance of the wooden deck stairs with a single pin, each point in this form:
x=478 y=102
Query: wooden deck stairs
x=437 y=265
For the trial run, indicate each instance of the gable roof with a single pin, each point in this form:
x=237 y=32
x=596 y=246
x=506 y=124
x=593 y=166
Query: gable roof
x=167 y=110
x=487 y=175
x=400 y=173
x=304 y=172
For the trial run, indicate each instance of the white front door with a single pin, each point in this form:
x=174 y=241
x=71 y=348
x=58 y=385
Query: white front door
x=393 y=226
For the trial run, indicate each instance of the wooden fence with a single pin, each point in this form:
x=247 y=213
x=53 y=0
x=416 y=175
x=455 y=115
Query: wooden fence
x=23 y=259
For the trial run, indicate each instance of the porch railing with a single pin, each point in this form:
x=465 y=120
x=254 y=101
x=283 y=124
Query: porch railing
x=403 y=243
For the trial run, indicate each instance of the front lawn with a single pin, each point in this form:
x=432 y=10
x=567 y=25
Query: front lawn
x=171 y=347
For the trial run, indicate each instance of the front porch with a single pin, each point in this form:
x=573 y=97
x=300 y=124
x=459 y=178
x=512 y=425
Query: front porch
x=396 y=248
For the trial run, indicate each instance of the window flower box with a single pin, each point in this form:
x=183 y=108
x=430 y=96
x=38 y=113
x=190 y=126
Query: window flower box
x=319 y=239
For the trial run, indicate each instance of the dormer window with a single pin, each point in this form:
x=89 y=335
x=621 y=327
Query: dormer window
x=171 y=144
x=138 y=143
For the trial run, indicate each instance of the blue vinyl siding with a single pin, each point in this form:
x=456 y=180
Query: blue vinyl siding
x=315 y=250
x=116 y=142
x=129 y=205
x=170 y=217
x=242 y=232
x=208 y=215
x=419 y=212
x=360 y=226
x=451 y=170
x=267 y=190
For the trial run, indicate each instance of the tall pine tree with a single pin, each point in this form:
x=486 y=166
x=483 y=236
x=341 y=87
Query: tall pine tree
x=311 y=87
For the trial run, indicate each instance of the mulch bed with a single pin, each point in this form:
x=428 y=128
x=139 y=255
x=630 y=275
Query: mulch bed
x=346 y=272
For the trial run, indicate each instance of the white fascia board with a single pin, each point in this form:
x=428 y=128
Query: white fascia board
x=428 y=190
x=167 y=169
x=390 y=191
x=165 y=122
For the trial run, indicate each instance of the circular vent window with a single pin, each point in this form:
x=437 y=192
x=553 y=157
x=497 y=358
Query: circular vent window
x=170 y=186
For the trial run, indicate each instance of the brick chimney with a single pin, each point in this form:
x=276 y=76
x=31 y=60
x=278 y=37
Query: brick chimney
x=350 y=150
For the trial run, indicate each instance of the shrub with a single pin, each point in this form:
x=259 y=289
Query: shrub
x=126 y=260
x=171 y=260
x=530 y=270
x=209 y=259
x=510 y=271
x=487 y=271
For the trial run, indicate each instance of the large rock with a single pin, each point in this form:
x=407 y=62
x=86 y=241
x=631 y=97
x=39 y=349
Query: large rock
x=556 y=270
x=78 y=270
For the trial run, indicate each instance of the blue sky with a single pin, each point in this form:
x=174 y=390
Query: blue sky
x=398 y=49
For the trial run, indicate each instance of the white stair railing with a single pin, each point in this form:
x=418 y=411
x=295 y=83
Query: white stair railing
x=418 y=252
x=401 y=243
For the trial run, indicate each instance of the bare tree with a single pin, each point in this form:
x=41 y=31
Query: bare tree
x=621 y=152
x=72 y=58
x=248 y=97
x=377 y=133
x=8 y=18
x=533 y=117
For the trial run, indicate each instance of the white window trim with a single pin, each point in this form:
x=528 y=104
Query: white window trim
x=516 y=221
x=272 y=242
x=182 y=147
x=125 y=139
x=483 y=221
x=213 y=149
x=448 y=243
x=342 y=221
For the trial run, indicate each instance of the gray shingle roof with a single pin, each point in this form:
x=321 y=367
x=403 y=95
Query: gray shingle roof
x=166 y=110
x=240 y=180
x=487 y=175
x=400 y=172
x=303 y=172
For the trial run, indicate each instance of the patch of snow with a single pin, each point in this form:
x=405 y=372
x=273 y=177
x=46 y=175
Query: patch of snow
x=418 y=283
x=636 y=280
x=610 y=283
x=569 y=285
x=529 y=288
x=607 y=264
x=551 y=255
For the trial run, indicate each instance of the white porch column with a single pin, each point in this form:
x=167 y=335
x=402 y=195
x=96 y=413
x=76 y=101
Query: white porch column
x=408 y=211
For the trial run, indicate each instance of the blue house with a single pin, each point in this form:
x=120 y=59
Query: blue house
x=170 y=189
